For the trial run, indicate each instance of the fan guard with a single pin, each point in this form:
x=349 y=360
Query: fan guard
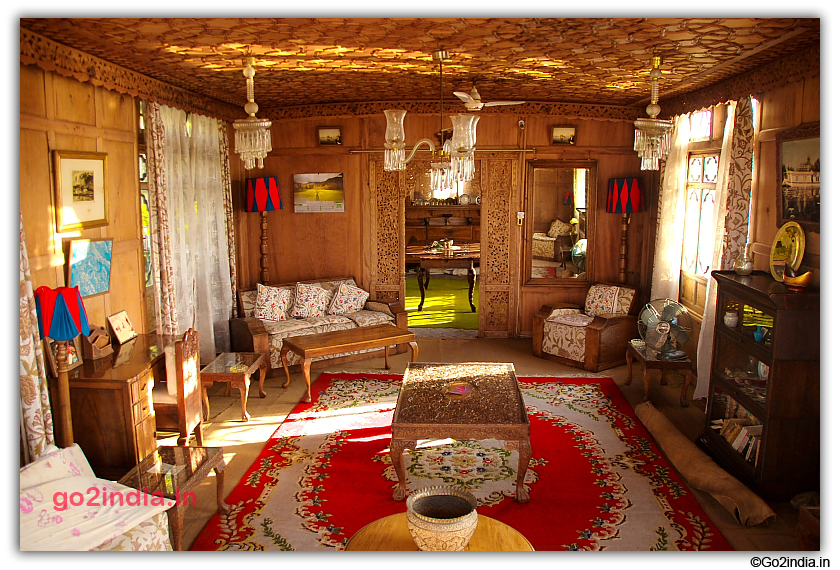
x=665 y=325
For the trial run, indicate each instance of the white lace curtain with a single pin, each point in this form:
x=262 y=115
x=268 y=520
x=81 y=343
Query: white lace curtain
x=189 y=209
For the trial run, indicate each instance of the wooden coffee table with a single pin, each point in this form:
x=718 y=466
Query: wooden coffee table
x=650 y=361
x=175 y=472
x=337 y=342
x=427 y=408
x=391 y=534
x=235 y=368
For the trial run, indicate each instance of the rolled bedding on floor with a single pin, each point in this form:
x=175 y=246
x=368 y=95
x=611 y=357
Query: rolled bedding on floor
x=701 y=472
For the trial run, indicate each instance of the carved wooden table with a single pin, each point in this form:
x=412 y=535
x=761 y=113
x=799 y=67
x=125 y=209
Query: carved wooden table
x=337 y=342
x=650 y=361
x=235 y=368
x=391 y=534
x=460 y=256
x=174 y=472
x=460 y=401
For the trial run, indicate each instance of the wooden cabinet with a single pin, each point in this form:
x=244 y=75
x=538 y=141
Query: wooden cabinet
x=763 y=415
x=111 y=405
x=425 y=224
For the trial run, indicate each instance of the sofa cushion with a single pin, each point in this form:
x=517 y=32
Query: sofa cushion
x=310 y=301
x=348 y=299
x=249 y=302
x=559 y=228
x=369 y=318
x=272 y=303
x=572 y=319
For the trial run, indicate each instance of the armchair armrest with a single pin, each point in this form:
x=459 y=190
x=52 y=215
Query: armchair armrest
x=394 y=308
x=248 y=334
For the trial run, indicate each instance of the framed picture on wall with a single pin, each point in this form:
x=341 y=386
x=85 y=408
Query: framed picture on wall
x=563 y=134
x=798 y=177
x=121 y=327
x=329 y=136
x=89 y=266
x=80 y=190
x=321 y=192
x=74 y=354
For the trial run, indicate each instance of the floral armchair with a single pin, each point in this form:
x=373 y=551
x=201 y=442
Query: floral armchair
x=593 y=337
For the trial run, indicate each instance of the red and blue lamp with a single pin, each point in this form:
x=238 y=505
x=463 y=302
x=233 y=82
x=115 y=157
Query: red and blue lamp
x=263 y=195
x=625 y=196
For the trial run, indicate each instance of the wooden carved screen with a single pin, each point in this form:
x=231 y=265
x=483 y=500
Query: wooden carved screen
x=495 y=181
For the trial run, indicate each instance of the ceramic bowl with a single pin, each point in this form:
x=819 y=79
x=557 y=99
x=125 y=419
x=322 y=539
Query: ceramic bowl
x=441 y=518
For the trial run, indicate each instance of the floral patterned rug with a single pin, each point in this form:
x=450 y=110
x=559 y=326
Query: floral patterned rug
x=597 y=480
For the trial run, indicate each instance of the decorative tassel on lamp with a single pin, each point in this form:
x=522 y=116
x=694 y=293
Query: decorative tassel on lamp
x=263 y=196
x=624 y=196
x=61 y=317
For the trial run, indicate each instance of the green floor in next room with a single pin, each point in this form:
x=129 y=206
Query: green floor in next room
x=242 y=442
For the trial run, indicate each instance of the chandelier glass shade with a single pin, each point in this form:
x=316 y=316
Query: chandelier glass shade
x=653 y=136
x=253 y=135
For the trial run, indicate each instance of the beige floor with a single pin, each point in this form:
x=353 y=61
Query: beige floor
x=242 y=441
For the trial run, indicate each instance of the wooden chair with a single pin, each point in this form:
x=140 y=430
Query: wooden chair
x=593 y=337
x=182 y=412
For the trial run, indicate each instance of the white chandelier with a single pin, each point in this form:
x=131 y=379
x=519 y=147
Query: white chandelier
x=253 y=135
x=454 y=162
x=653 y=136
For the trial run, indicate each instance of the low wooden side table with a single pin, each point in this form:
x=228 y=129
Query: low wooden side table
x=235 y=368
x=650 y=361
x=174 y=471
x=391 y=534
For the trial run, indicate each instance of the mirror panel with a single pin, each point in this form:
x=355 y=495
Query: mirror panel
x=558 y=194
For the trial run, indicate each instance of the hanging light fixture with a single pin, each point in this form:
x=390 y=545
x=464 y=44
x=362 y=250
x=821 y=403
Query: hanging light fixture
x=253 y=135
x=653 y=136
x=450 y=165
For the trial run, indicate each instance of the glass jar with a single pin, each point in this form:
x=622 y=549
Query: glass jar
x=744 y=262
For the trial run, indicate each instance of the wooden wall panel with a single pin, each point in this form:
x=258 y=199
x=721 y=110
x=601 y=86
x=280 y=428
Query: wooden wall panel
x=32 y=96
x=73 y=101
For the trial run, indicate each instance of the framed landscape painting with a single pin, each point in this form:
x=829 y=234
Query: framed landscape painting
x=89 y=265
x=80 y=190
x=322 y=192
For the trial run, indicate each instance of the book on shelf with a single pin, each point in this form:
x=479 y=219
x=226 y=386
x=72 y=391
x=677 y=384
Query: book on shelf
x=732 y=427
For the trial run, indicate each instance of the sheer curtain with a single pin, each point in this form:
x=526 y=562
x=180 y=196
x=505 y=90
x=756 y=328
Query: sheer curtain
x=732 y=204
x=190 y=198
x=669 y=235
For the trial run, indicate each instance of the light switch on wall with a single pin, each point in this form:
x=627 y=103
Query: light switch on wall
x=520 y=216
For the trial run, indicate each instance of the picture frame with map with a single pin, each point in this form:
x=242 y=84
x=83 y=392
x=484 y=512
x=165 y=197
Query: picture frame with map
x=80 y=190
x=89 y=266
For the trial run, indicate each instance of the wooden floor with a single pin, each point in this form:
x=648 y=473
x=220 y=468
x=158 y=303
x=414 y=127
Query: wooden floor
x=242 y=442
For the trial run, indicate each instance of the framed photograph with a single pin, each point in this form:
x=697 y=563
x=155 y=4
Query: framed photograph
x=89 y=265
x=329 y=136
x=80 y=190
x=562 y=134
x=322 y=192
x=74 y=354
x=798 y=177
x=121 y=327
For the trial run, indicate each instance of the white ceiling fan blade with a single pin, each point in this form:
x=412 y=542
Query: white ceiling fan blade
x=495 y=103
x=465 y=97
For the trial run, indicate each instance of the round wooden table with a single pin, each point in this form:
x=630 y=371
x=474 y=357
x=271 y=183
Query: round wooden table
x=391 y=533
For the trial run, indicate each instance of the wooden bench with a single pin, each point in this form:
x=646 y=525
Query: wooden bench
x=337 y=342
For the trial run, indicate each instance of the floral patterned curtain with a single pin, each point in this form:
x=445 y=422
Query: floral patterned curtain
x=36 y=426
x=732 y=208
x=224 y=152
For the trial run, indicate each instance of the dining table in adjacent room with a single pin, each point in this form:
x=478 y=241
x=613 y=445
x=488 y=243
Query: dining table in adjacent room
x=458 y=256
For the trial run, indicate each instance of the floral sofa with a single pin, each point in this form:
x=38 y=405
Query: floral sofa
x=63 y=506
x=554 y=244
x=268 y=314
x=593 y=337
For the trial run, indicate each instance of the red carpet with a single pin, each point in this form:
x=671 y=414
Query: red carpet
x=597 y=480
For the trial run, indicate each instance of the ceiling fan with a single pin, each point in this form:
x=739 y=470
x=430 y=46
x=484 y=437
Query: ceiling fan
x=473 y=102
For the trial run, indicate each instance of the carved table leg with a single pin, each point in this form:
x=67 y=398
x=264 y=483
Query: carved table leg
x=397 y=448
x=206 y=401
x=684 y=393
x=415 y=351
x=387 y=365
x=176 y=523
x=283 y=354
x=629 y=368
x=304 y=365
x=243 y=397
x=263 y=370
x=647 y=382
x=224 y=508
x=471 y=281
x=420 y=274
x=524 y=448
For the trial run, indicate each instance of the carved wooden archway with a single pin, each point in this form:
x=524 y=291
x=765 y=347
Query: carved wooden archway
x=495 y=181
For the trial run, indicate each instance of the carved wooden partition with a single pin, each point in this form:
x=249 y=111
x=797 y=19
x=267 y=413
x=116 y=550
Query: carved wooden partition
x=496 y=180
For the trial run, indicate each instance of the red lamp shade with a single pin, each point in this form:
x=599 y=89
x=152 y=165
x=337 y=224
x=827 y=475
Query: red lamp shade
x=625 y=196
x=61 y=313
x=263 y=194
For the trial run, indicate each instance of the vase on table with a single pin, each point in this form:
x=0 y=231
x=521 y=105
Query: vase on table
x=744 y=262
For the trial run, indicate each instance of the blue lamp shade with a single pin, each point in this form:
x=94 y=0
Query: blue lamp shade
x=625 y=196
x=263 y=194
x=61 y=313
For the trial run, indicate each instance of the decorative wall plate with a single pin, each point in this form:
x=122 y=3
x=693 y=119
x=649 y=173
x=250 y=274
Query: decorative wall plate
x=478 y=199
x=464 y=199
x=788 y=247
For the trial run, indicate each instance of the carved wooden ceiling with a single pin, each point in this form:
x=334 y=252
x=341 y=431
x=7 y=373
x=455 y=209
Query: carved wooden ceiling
x=602 y=61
